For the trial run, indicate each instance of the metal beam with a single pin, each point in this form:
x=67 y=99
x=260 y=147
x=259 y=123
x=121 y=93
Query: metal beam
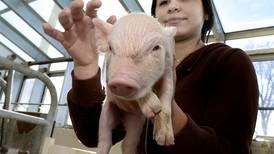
x=54 y=60
x=34 y=20
x=18 y=39
x=29 y=1
x=218 y=30
x=4 y=11
x=250 y=33
x=7 y=9
x=56 y=73
x=23 y=117
x=261 y=55
x=8 y=95
x=63 y=3
x=131 y=5
x=5 y=51
x=246 y=34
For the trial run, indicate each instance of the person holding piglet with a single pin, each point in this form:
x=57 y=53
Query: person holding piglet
x=215 y=103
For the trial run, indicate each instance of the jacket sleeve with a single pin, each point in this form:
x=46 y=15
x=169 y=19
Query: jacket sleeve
x=85 y=103
x=231 y=112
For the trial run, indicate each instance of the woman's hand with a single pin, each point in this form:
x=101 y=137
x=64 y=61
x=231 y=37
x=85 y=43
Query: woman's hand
x=79 y=36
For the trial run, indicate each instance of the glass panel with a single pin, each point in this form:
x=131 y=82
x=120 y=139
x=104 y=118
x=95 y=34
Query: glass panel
x=23 y=27
x=26 y=90
x=236 y=15
x=265 y=76
x=264 y=42
x=2 y=6
x=109 y=8
x=49 y=13
x=53 y=52
x=25 y=95
x=31 y=34
x=43 y=8
x=15 y=49
x=58 y=66
x=2 y=99
x=68 y=120
x=58 y=83
x=146 y=5
x=265 y=126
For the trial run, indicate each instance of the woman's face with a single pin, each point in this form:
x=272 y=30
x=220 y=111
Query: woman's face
x=187 y=15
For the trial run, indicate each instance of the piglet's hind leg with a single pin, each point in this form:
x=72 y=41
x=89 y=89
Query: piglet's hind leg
x=134 y=125
x=108 y=120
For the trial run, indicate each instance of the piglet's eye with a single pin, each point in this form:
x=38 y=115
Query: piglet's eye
x=156 y=47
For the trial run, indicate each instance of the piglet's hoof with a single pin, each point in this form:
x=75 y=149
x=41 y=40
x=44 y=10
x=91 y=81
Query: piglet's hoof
x=150 y=105
x=163 y=131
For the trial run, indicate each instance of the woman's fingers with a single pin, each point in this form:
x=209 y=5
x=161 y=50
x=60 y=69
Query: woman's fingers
x=48 y=29
x=65 y=19
x=77 y=10
x=92 y=6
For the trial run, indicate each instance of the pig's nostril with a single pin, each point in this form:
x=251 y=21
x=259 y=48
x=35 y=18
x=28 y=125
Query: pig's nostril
x=129 y=88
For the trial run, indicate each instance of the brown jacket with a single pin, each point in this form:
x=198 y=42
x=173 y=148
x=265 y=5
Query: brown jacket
x=217 y=89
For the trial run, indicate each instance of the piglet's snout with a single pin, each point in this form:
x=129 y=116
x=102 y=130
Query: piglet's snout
x=125 y=87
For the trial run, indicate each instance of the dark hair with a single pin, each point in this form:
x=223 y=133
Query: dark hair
x=208 y=24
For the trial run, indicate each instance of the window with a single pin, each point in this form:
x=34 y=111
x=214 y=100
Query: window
x=39 y=7
x=31 y=34
x=22 y=27
x=236 y=15
x=265 y=76
x=255 y=43
x=58 y=66
x=58 y=83
x=15 y=49
x=25 y=95
x=2 y=6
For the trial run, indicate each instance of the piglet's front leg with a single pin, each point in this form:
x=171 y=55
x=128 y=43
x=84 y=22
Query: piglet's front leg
x=163 y=130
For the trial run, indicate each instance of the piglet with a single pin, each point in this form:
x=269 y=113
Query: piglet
x=138 y=54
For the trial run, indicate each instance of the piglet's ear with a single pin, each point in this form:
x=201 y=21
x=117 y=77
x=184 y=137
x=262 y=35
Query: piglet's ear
x=102 y=30
x=170 y=31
